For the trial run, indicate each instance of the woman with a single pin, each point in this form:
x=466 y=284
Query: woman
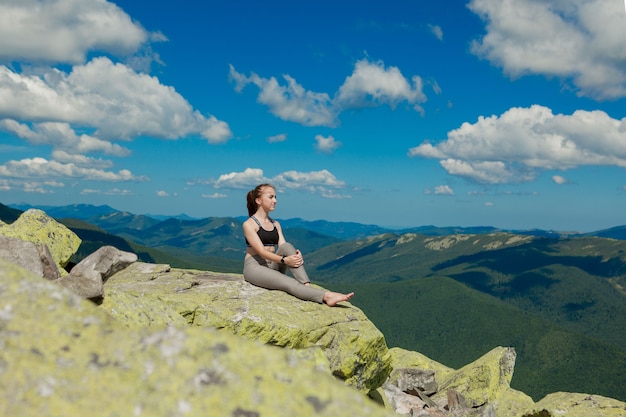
x=264 y=265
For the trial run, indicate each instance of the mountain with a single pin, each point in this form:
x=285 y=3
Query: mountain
x=618 y=232
x=8 y=214
x=537 y=294
x=338 y=230
x=75 y=211
x=121 y=222
x=575 y=283
x=444 y=231
x=181 y=216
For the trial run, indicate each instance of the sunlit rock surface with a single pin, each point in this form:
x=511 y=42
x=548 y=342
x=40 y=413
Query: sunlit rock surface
x=37 y=227
x=355 y=348
x=61 y=355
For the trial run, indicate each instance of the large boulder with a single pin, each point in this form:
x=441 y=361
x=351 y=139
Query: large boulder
x=407 y=359
x=571 y=404
x=36 y=226
x=35 y=257
x=355 y=348
x=61 y=355
x=485 y=384
x=87 y=278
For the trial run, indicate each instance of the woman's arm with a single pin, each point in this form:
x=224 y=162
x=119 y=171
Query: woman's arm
x=281 y=238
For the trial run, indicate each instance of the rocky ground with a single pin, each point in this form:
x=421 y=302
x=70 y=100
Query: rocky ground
x=116 y=337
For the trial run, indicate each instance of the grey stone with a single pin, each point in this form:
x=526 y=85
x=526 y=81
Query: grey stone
x=87 y=278
x=34 y=257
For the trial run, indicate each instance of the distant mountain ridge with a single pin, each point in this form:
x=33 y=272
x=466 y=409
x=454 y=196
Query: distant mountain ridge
x=339 y=230
x=618 y=232
x=77 y=211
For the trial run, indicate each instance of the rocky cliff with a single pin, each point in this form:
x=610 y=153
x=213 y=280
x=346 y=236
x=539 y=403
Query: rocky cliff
x=115 y=337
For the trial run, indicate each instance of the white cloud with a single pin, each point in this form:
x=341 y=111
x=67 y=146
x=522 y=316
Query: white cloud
x=119 y=192
x=321 y=182
x=277 y=138
x=42 y=168
x=63 y=31
x=88 y=191
x=373 y=84
x=476 y=192
x=113 y=191
x=291 y=102
x=581 y=41
x=436 y=87
x=437 y=31
x=313 y=180
x=326 y=144
x=62 y=137
x=249 y=177
x=162 y=193
x=214 y=195
x=39 y=187
x=557 y=179
x=369 y=85
x=332 y=194
x=104 y=100
x=512 y=147
x=80 y=160
x=111 y=98
x=444 y=190
x=439 y=190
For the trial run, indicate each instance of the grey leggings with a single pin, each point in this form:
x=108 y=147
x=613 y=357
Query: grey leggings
x=271 y=275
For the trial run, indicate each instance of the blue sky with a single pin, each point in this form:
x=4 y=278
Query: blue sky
x=399 y=113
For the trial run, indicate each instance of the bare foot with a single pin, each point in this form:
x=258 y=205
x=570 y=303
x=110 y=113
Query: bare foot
x=332 y=298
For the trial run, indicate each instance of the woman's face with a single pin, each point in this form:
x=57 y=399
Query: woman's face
x=267 y=200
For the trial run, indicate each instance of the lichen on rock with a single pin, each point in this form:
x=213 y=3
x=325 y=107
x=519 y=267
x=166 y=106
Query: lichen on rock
x=36 y=226
x=356 y=349
x=63 y=355
x=570 y=404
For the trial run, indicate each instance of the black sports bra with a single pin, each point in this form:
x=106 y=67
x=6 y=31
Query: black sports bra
x=268 y=237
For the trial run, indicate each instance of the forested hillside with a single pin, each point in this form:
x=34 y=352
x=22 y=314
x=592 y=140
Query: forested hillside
x=577 y=283
x=559 y=302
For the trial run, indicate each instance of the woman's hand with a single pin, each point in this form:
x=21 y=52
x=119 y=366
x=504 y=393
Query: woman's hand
x=295 y=261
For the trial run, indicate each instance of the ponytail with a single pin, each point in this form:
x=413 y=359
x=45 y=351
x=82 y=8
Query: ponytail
x=253 y=195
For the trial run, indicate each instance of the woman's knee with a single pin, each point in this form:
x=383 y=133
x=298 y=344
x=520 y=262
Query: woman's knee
x=286 y=249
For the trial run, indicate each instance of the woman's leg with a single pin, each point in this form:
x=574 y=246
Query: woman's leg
x=257 y=272
x=298 y=273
